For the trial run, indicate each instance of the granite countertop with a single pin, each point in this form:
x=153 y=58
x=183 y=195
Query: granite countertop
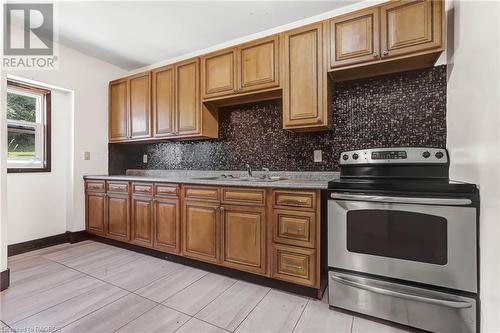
x=293 y=179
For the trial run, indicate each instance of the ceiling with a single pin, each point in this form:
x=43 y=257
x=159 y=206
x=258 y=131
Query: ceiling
x=133 y=34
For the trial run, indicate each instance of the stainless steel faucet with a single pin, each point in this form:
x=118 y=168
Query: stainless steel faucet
x=249 y=170
x=266 y=175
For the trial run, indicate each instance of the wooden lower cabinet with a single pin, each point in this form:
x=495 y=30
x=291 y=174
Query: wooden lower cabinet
x=95 y=218
x=142 y=226
x=118 y=216
x=167 y=225
x=295 y=264
x=269 y=232
x=244 y=238
x=201 y=230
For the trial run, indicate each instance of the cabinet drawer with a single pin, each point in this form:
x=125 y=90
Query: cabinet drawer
x=294 y=227
x=199 y=192
x=295 y=199
x=166 y=190
x=243 y=196
x=117 y=187
x=296 y=265
x=141 y=188
x=94 y=185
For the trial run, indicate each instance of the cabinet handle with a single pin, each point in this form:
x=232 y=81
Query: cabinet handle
x=292 y=266
x=221 y=209
x=386 y=52
x=294 y=202
x=375 y=54
x=295 y=231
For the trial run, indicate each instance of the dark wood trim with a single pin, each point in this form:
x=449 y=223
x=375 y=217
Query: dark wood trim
x=36 y=244
x=4 y=279
x=236 y=274
x=48 y=121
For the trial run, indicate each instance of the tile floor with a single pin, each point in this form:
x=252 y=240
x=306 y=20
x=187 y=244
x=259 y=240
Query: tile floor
x=94 y=287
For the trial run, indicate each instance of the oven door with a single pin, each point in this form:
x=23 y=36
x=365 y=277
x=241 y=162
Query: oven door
x=426 y=240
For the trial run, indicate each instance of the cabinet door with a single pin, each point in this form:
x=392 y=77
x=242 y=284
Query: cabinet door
x=167 y=225
x=118 y=217
x=218 y=74
x=163 y=102
x=201 y=231
x=354 y=38
x=258 y=64
x=95 y=213
x=187 y=99
x=118 y=111
x=411 y=26
x=304 y=88
x=140 y=114
x=142 y=220
x=244 y=238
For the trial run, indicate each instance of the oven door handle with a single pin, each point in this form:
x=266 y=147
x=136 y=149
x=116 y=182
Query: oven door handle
x=406 y=200
x=412 y=297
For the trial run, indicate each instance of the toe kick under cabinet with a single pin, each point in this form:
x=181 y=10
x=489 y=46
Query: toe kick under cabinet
x=264 y=231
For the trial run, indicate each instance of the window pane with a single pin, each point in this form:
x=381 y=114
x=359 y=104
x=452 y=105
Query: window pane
x=21 y=143
x=21 y=107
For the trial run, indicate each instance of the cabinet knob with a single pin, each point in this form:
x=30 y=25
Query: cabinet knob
x=386 y=52
x=375 y=54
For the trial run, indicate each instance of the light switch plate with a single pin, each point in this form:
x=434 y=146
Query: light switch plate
x=144 y=158
x=318 y=156
x=86 y=155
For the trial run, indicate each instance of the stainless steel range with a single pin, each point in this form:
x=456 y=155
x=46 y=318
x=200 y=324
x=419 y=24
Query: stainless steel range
x=402 y=239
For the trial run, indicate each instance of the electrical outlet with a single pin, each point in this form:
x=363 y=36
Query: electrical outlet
x=318 y=156
x=86 y=155
x=144 y=158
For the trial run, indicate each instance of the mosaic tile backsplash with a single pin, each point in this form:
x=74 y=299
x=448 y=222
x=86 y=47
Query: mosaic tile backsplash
x=403 y=109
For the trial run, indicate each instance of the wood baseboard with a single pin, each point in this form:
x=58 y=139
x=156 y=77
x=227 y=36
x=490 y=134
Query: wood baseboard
x=36 y=244
x=4 y=279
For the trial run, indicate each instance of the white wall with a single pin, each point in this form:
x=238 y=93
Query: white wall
x=473 y=117
x=58 y=196
x=37 y=202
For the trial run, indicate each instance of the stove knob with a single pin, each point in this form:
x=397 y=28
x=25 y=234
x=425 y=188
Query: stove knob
x=355 y=156
x=345 y=157
x=439 y=155
x=426 y=154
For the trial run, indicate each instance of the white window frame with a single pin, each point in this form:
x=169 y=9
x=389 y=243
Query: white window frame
x=39 y=162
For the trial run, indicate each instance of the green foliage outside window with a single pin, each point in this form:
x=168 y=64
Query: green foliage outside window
x=21 y=107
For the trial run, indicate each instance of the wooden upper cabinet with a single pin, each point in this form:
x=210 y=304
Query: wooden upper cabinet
x=187 y=97
x=249 y=67
x=354 y=38
x=244 y=238
x=258 y=64
x=201 y=231
x=163 y=85
x=411 y=26
x=305 y=100
x=140 y=111
x=118 y=111
x=219 y=73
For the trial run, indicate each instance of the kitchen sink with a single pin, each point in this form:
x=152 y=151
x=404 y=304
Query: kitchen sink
x=237 y=178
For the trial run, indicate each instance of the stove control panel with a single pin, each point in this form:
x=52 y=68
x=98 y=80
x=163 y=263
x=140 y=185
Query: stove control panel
x=398 y=155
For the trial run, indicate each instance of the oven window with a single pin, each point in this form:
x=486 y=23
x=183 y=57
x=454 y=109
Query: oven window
x=398 y=234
